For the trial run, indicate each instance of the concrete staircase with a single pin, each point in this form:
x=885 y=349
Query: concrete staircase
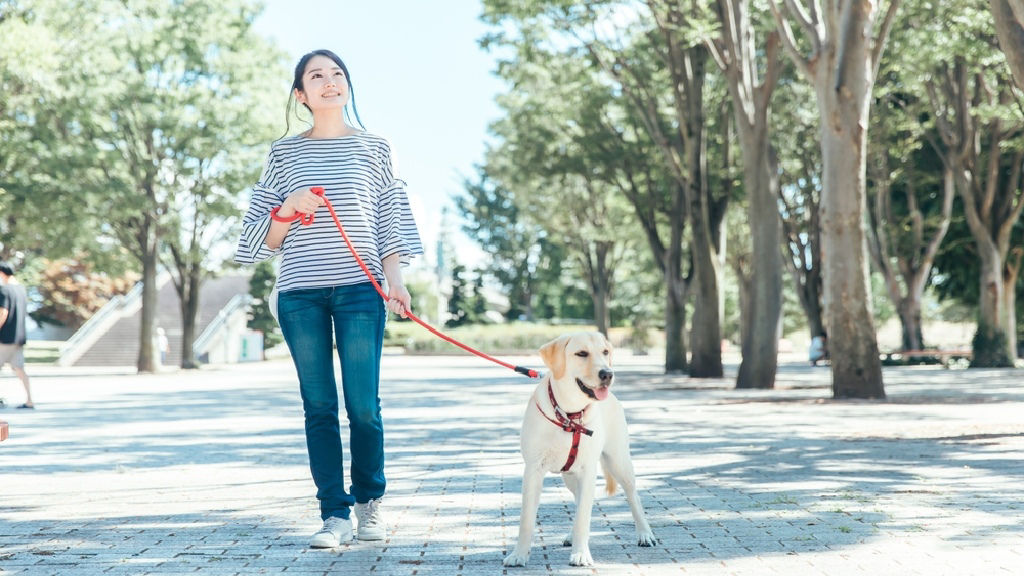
x=119 y=345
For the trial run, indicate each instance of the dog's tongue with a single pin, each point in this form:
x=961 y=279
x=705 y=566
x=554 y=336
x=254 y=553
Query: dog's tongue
x=601 y=392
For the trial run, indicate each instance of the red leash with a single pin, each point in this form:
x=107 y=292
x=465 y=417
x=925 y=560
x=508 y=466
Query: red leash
x=307 y=219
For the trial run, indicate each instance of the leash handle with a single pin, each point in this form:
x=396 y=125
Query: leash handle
x=307 y=219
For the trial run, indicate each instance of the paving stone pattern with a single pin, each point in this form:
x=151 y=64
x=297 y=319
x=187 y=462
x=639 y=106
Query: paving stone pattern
x=205 y=472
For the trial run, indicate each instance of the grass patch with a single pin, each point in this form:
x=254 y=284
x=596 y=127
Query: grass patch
x=42 y=351
x=511 y=338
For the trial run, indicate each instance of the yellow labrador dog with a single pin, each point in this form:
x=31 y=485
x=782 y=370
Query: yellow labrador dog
x=572 y=421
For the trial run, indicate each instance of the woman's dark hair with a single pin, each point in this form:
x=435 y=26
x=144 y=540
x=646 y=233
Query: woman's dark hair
x=297 y=84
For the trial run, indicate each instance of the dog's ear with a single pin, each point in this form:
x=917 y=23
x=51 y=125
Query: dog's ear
x=553 y=355
x=610 y=347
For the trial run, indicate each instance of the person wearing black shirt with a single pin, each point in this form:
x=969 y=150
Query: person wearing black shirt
x=13 y=308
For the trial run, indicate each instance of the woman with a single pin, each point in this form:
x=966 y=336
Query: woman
x=324 y=292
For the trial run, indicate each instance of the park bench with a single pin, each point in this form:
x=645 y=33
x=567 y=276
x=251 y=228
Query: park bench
x=944 y=357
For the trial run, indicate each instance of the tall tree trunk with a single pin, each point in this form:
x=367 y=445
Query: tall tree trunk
x=1009 y=23
x=735 y=51
x=910 y=320
x=852 y=341
x=189 y=316
x=706 y=332
x=148 y=244
x=600 y=288
x=1011 y=272
x=761 y=342
x=990 y=345
x=675 y=314
x=843 y=64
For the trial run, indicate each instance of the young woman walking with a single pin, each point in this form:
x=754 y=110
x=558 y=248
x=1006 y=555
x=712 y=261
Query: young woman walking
x=324 y=296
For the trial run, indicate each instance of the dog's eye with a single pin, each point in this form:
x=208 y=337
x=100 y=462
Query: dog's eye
x=605 y=352
x=583 y=353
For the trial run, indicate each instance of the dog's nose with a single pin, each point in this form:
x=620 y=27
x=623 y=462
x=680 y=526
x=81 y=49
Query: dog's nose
x=606 y=376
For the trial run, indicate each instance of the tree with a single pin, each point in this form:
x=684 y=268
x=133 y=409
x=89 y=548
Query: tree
x=912 y=193
x=735 y=51
x=170 y=97
x=1009 y=26
x=842 y=63
x=521 y=254
x=261 y=284
x=799 y=157
x=989 y=185
x=71 y=292
x=49 y=182
x=227 y=100
x=459 y=303
x=974 y=110
x=666 y=95
x=547 y=155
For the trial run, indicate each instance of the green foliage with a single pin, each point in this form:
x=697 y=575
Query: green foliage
x=510 y=338
x=459 y=309
x=261 y=283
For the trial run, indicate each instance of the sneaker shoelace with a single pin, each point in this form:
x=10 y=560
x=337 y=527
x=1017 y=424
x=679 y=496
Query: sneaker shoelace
x=372 y=513
x=333 y=525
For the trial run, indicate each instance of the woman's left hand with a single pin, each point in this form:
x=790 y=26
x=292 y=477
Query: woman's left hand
x=399 y=300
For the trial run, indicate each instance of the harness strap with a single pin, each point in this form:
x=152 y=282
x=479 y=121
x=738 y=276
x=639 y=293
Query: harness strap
x=570 y=422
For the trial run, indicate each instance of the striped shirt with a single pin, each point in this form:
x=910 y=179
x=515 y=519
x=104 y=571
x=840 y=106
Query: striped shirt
x=358 y=176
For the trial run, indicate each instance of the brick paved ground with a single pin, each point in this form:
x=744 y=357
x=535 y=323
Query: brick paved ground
x=205 y=472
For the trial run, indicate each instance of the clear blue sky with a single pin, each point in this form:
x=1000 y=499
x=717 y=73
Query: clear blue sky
x=420 y=80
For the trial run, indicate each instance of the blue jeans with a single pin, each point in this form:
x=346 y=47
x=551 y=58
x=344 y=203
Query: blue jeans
x=356 y=314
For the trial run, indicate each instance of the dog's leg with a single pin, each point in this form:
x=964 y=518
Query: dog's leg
x=572 y=482
x=533 y=482
x=616 y=461
x=580 y=553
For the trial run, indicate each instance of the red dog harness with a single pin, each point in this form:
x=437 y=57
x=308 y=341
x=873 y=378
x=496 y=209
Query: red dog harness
x=570 y=422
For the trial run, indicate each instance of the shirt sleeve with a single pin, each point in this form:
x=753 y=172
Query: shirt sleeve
x=397 y=231
x=266 y=196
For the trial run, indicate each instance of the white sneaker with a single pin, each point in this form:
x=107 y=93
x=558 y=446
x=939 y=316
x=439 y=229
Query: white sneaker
x=371 y=524
x=335 y=531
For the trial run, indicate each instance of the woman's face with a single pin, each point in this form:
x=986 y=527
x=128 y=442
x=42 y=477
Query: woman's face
x=325 y=85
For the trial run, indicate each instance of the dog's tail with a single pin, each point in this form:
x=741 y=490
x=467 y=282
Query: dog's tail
x=609 y=480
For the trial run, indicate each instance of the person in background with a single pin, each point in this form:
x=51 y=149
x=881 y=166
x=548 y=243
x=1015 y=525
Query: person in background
x=13 y=309
x=323 y=294
x=163 y=345
x=818 y=350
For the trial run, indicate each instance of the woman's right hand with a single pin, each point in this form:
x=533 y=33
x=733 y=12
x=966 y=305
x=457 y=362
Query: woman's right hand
x=301 y=201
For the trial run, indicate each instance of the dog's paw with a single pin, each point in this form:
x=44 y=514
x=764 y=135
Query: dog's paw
x=581 y=558
x=567 y=541
x=516 y=559
x=646 y=539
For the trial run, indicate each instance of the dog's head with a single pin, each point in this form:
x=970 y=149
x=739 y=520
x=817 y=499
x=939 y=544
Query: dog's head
x=585 y=358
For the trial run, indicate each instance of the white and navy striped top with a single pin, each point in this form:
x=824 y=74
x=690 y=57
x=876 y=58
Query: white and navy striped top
x=358 y=176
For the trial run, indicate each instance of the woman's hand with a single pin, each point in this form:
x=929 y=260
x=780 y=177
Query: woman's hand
x=301 y=201
x=399 y=300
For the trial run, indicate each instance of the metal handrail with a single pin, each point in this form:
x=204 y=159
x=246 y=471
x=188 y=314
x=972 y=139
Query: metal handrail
x=215 y=326
x=98 y=323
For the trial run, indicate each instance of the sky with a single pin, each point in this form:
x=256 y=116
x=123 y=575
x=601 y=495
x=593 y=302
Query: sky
x=420 y=80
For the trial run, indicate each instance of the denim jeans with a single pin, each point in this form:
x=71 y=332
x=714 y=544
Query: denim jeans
x=356 y=315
